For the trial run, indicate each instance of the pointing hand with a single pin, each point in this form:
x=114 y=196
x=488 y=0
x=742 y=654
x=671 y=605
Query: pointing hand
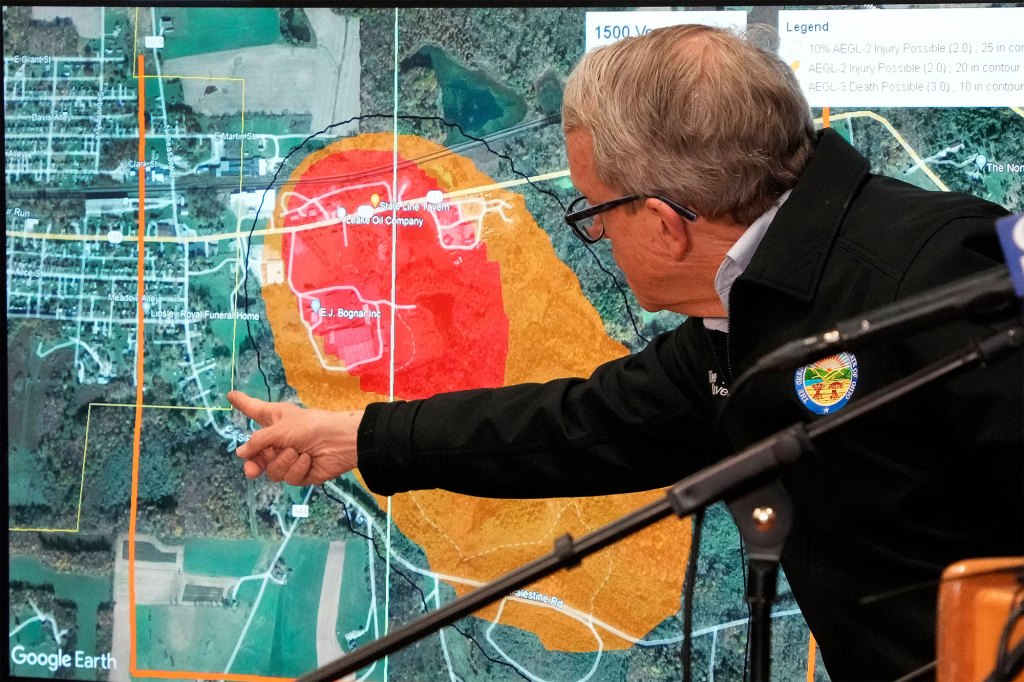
x=298 y=446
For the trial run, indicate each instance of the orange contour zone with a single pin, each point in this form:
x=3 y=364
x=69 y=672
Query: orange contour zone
x=552 y=331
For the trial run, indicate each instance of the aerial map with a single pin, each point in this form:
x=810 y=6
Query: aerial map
x=339 y=206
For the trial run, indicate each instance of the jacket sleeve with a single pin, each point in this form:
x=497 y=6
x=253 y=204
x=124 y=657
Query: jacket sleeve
x=637 y=423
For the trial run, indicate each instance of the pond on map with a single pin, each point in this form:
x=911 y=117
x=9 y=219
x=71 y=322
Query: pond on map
x=473 y=99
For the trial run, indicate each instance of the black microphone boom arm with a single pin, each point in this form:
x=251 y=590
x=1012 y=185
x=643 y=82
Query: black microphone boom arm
x=982 y=298
x=734 y=475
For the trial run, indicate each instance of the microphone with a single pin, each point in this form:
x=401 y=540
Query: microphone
x=987 y=296
x=1011 y=237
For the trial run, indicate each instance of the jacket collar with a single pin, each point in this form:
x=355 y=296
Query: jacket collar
x=792 y=255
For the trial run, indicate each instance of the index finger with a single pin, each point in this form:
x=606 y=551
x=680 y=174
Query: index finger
x=258 y=410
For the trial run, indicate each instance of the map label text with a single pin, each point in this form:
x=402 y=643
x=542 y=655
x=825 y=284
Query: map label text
x=53 y=661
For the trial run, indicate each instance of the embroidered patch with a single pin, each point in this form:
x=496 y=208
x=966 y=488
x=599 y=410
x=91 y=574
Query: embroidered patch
x=828 y=384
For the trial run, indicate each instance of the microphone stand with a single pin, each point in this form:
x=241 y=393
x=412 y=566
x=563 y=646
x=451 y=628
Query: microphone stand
x=764 y=517
x=742 y=474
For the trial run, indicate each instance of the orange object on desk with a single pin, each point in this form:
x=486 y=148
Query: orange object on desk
x=976 y=597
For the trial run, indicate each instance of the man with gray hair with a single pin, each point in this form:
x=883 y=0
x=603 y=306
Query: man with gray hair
x=696 y=157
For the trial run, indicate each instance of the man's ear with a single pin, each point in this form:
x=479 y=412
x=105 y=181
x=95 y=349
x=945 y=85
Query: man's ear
x=674 y=230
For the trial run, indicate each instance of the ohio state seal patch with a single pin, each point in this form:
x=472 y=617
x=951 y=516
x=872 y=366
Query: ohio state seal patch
x=828 y=384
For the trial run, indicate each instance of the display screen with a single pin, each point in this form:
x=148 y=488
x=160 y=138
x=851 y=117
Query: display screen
x=338 y=206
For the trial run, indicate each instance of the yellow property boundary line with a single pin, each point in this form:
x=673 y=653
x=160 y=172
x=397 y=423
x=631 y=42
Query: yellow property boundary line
x=85 y=453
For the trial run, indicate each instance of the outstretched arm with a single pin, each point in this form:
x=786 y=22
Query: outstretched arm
x=298 y=446
x=639 y=422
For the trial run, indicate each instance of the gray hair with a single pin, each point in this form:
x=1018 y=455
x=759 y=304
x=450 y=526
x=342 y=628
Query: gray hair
x=695 y=113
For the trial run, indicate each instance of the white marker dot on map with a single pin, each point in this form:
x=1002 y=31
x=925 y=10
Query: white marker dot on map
x=981 y=160
x=365 y=211
x=435 y=196
x=115 y=236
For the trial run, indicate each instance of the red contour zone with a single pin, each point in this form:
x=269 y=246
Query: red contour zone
x=451 y=330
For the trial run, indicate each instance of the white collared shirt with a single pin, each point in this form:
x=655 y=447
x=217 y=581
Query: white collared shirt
x=738 y=258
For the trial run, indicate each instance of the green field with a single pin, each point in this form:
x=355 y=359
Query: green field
x=187 y=637
x=256 y=655
x=264 y=124
x=225 y=558
x=282 y=637
x=355 y=603
x=198 y=30
x=287 y=144
x=28 y=482
x=306 y=558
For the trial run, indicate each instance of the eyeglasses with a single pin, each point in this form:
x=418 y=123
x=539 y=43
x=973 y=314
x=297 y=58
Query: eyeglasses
x=583 y=218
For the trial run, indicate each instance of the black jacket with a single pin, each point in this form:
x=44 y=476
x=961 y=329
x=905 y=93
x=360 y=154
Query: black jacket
x=887 y=502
